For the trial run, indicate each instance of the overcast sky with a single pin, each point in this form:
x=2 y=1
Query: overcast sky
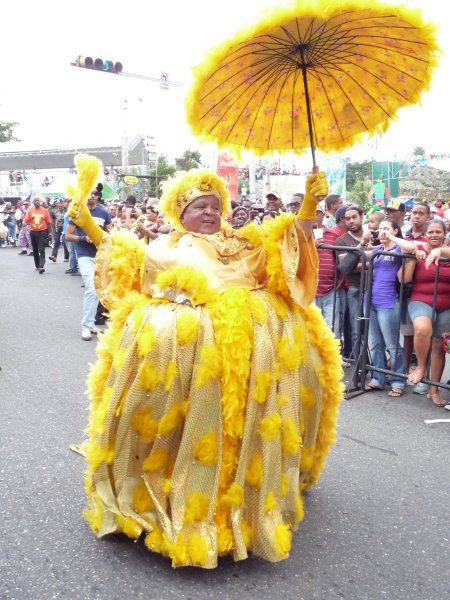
x=59 y=106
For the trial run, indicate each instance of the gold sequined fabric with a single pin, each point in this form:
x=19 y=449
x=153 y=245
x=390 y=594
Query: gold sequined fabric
x=168 y=456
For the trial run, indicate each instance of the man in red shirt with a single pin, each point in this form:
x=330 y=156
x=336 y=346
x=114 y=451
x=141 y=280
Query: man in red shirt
x=325 y=288
x=39 y=220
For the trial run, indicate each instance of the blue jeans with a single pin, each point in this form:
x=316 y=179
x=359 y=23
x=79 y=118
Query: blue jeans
x=72 y=255
x=354 y=314
x=383 y=331
x=325 y=303
x=90 y=302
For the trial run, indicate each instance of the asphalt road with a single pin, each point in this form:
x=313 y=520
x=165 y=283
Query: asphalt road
x=375 y=528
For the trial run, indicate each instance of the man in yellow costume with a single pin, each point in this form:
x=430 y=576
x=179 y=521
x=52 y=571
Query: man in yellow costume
x=215 y=394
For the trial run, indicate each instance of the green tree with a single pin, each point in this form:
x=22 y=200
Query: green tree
x=357 y=170
x=190 y=159
x=360 y=192
x=7 y=131
x=158 y=173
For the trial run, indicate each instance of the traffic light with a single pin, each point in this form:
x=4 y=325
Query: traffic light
x=109 y=66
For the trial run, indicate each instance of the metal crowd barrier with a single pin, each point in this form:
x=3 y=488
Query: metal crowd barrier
x=360 y=356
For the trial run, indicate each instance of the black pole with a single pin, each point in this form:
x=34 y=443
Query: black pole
x=308 y=109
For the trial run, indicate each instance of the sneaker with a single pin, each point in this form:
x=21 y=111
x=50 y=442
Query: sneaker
x=421 y=388
x=69 y=271
x=447 y=406
x=52 y=258
x=30 y=254
x=76 y=274
x=22 y=252
x=41 y=270
x=66 y=260
x=94 y=330
x=86 y=333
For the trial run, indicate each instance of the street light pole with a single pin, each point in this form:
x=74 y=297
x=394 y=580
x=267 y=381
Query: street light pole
x=125 y=136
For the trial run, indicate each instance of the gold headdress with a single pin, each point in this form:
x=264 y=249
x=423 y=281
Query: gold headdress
x=187 y=186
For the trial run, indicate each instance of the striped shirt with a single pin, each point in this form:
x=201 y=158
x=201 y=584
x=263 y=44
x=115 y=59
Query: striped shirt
x=327 y=261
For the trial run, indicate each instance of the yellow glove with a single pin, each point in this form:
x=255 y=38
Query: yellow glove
x=88 y=168
x=316 y=188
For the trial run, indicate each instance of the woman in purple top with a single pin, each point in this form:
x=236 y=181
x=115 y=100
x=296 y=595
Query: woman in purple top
x=384 y=312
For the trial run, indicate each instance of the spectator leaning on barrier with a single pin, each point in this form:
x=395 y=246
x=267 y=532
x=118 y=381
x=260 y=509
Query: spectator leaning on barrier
x=384 y=311
x=420 y=305
x=332 y=203
x=86 y=252
x=349 y=264
x=325 y=288
x=420 y=217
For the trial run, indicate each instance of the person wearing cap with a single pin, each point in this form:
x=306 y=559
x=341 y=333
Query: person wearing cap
x=273 y=203
x=295 y=202
x=58 y=228
x=332 y=203
x=395 y=210
x=213 y=354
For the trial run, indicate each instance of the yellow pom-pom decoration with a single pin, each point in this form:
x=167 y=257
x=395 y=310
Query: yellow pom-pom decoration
x=283 y=537
x=269 y=427
x=234 y=496
x=290 y=439
x=156 y=461
x=170 y=420
x=129 y=526
x=254 y=473
x=263 y=383
x=196 y=508
x=187 y=327
x=270 y=503
x=197 y=549
x=307 y=396
x=206 y=449
x=144 y=424
x=142 y=501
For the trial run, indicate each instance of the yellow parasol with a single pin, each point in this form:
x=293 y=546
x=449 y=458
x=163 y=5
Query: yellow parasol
x=316 y=74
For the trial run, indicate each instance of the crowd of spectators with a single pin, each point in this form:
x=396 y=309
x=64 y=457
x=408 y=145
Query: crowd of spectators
x=340 y=296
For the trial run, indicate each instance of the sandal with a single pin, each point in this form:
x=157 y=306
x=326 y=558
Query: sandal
x=371 y=386
x=436 y=398
x=416 y=376
x=395 y=392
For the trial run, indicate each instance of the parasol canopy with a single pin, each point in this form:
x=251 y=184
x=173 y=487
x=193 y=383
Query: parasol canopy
x=315 y=74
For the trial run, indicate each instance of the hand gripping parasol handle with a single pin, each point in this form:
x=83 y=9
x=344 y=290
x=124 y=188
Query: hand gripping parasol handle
x=316 y=171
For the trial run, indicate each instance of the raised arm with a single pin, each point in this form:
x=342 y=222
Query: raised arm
x=404 y=245
x=88 y=168
x=316 y=188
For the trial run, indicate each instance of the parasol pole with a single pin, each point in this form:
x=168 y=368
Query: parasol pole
x=308 y=108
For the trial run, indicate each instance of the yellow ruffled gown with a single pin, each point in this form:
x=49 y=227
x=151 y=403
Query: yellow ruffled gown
x=215 y=394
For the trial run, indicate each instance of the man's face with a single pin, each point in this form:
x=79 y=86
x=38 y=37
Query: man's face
x=36 y=202
x=273 y=203
x=92 y=200
x=396 y=215
x=419 y=217
x=334 y=207
x=112 y=209
x=319 y=218
x=353 y=221
x=294 y=204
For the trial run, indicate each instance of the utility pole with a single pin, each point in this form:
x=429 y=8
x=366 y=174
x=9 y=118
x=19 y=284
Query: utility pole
x=125 y=136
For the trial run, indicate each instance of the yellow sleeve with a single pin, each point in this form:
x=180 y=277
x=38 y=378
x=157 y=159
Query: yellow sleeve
x=300 y=264
x=118 y=266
